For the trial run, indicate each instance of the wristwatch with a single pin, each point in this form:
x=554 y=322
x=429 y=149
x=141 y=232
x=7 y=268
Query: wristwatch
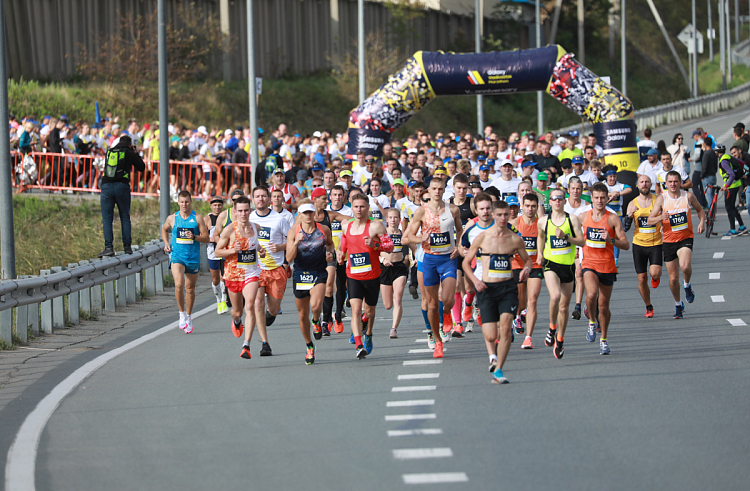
x=565 y=237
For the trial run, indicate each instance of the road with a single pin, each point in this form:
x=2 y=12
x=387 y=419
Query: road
x=666 y=410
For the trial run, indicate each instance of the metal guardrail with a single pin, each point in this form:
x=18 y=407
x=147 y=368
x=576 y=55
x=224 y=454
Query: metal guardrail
x=741 y=53
x=675 y=112
x=89 y=286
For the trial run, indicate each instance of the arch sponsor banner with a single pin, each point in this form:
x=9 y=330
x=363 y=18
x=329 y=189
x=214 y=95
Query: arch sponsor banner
x=427 y=75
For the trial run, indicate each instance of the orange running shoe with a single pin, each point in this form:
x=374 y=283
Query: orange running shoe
x=479 y=320
x=438 y=353
x=338 y=327
x=245 y=353
x=237 y=330
x=458 y=331
x=447 y=322
x=649 y=312
x=467 y=313
x=527 y=344
x=655 y=282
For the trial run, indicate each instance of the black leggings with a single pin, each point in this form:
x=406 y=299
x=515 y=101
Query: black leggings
x=340 y=290
x=730 y=203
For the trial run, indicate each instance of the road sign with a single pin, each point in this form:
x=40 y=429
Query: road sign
x=258 y=85
x=686 y=37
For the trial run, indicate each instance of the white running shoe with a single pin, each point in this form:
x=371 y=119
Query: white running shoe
x=188 y=325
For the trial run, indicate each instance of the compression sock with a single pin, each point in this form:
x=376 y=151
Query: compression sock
x=327 y=309
x=223 y=291
x=358 y=341
x=457 y=307
x=440 y=310
x=426 y=319
x=469 y=299
x=217 y=292
x=560 y=338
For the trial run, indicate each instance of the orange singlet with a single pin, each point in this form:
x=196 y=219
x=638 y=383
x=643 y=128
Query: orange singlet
x=529 y=234
x=680 y=224
x=598 y=254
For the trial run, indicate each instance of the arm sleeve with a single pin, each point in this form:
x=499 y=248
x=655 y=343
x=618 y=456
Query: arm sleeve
x=725 y=164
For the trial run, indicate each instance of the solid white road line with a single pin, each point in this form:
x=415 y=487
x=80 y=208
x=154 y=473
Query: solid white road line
x=20 y=465
x=437 y=361
x=435 y=478
x=718 y=255
x=717 y=298
x=422 y=453
x=424 y=431
x=737 y=322
x=714 y=276
x=414 y=388
x=414 y=376
x=409 y=417
x=414 y=402
x=422 y=350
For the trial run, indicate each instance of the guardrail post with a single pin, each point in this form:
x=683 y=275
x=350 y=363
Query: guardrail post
x=32 y=311
x=109 y=295
x=121 y=298
x=159 y=277
x=22 y=322
x=96 y=296
x=74 y=316
x=151 y=280
x=58 y=305
x=6 y=326
x=84 y=296
x=46 y=311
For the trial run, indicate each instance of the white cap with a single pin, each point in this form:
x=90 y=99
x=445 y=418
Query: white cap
x=412 y=150
x=506 y=162
x=170 y=128
x=342 y=184
x=561 y=140
x=306 y=207
x=202 y=130
x=228 y=132
x=317 y=134
x=115 y=126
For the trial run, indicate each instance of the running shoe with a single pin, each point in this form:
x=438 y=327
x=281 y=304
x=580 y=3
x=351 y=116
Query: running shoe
x=689 y=294
x=469 y=327
x=447 y=322
x=467 y=313
x=558 y=350
x=742 y=230
x=603 y=348
x=218 y=308
x=458 y=331
x=655 y=282
x=445 y=336
x=351 y=339
x=237 y=329
x=512 y=336
x=550 y=339
x=577 y=312
x=518 y=325
x=527 y=344
x=598 y=326
x=678 y=311
x=586 y=311
x=365 y=320
x=317 y=330
x=393 y=334
x=523 y=316
x=479 y=319
x=188 y=325
x=361 y=352
x=338 y=327
x=310 y=355
x=182 y=323
x=265 y=350
x=430 y=341
x=591 y=332
x=498 y=377
x=368 y=343
x=438 y=353
x=413 y=291
x=493 y=365
x=324 y=327
x=731 y=233
x=245 y=353
x=270 y=318
x=649 y=312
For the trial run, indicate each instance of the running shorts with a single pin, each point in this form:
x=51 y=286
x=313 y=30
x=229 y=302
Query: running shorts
x=304 y=281
x=238 y=286
x=670 y=248
x=189 y=268
x=389 y=274
x=367 y=290
x=535 y=273
x=274 y=281
x=643 y=256
x=499 y=298
x=566 y=272
x=436 y=268
x=606 y=279
x=214 y=264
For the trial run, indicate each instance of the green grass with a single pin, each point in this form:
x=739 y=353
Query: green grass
x=710 y=79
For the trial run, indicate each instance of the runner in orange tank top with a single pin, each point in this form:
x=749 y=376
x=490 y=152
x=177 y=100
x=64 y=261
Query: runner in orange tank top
x=602 y=231
x=672 y=209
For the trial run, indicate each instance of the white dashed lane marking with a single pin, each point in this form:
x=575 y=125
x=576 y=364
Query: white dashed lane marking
x=409 y=417
x=415 y=402
x=414 y=388
x=714 y=276
x=423 y=362
x=737 y=322
x=726 y=238
x=422 y=453
x=435 y=478
x=717 y=298
x=422 y=350
x=416 y=376
x=718 y=255
x=424 y=431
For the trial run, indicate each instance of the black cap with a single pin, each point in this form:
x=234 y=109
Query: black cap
x=740 y=125
x=566 y=163
x=237 y=192
x=217 y=199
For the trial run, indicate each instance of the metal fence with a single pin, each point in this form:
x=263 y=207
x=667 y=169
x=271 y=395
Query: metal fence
x=60 y=297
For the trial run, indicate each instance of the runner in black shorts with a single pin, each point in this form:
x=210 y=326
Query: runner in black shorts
x=463 y=285
x=394 y=270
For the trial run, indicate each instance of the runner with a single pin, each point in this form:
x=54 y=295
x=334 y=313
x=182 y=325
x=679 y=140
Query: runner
x=576 y=206
x=496 y=290
x=647 y=241
x=559 y=231
x=672 y=209
x=616 y=191
x=309 y=247
x=338 y=196
x=463 y=285
x=277 y=205
x=408 y=207
x=603 y=231
x=507 y=183
x=360 y=247
x=291 y=193
x=483 y=221
x=238 y=244
x=394 y=270
x=528 y=291
x=188 y=229
x=272 y=237
x=440 y=223
x=378 y=202
x=216 y=264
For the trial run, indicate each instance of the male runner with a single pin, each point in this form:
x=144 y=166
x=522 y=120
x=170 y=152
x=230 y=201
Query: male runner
x=277 y=205
x=338 y=197
x=188 y=228
x=238 y=244
x=440 y=224
x=507 y=183
x=309 y=247
x=647 y=241
x=496 y=290
x=672 y=209
x=528 y=291
x=215 y=264
x=272 y=237
x=576 y=206
x=558 y=233
x=603 y=231
x=483 y=206
x=291 y=193
x=360 y=247
x=463 y=285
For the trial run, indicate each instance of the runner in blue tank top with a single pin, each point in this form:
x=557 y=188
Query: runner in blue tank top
x=188 y=229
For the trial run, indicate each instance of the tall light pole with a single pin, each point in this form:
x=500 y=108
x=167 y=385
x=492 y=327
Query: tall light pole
x=710 y=33
x=623 y=50
x=251 y=87
x=361 y=42
x=7 y=243
x=164 y=205
x=723 y=60
x=728 y=41
x=581 y=55
x=539 y=95
x=478 y=48
x=695 y=54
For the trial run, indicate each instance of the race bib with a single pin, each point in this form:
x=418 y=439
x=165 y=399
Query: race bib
x=594 y=238
x=246 y=259
x=530 y=245
x=644 y=227
x=264 y=234
x=396 y=238
x=359 y=262
x=181 y=235
x=304 y=280
x=440 y=242
x=377 y=215
x=559 y=247
x=499 y=267
x=505 y=195
x=678 y=221
x=336 y=229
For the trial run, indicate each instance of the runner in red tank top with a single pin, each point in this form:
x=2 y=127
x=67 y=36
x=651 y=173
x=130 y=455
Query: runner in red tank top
x=360 y=247
x=602 y=231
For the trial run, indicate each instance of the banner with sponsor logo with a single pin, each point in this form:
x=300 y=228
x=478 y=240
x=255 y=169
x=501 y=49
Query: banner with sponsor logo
x=618 y=139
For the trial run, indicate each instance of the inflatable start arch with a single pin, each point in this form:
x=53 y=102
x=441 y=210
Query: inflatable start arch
x=427 y=75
